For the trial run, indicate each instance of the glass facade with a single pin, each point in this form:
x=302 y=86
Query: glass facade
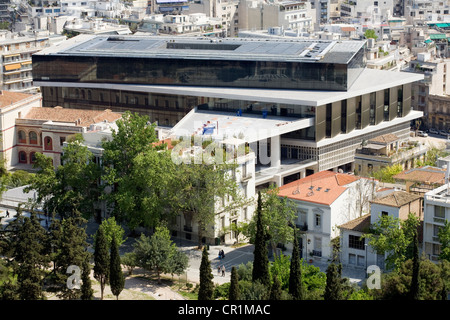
x=197 y=72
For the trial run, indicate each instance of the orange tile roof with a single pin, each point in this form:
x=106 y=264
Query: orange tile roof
x=328 y=186
x=385 y=138
x=360 y=224
x=426 y=174
x=9 y=97
x=86 y=117
x=397 y=199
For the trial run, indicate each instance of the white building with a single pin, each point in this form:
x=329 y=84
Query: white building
x=326 y=200
x=436 y=213
x=354 y=250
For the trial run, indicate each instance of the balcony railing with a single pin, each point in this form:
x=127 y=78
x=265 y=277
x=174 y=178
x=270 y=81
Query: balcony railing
x=302 y=227
x=317 y=253
x=439 y=220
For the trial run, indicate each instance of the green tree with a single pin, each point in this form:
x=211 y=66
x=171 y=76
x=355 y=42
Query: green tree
x=394 y=237
x=386 y=174
x=444 y=239
x=396 y=285
x=30 y=257
x=159 y=253
x=112 y=230
x=260 y=260
x=206 y=288
x=234 y=285
x=129 y=261
x=205 y=191
x=134 y=136
x=334 y=289
x=370 y=33
x=276 y=293
x=116 y=278
x=87 y=293
x=72 y=250
x=101 y=260
x=296 y=288
x=414 y=290
x=71 y=190
x=278 y=214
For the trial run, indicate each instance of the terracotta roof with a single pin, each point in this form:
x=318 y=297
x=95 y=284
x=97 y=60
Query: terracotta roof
x=385 y=138
x=346 y=29
x=360 y=224
x=8 y=97
x=80 y=117
x=426 y=174
x=327 y=186
x=397 y=199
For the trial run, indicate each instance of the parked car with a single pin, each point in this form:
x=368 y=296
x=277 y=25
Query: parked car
x=443 y=133
x=434 y=131
x=422 y=134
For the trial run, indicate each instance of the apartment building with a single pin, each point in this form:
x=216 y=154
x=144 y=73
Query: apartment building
x=45 y=130
x=388 y=150
x=355 y=251
x=15 y=60
x=436 y=213
x=13 y=105
x=324 y=201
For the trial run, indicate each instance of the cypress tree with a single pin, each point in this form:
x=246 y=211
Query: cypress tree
x=261 y=261
x=116 y=278
x=296 y=289
x=234 y=285
x=87 y=293
x=334 y=287
x=275 y=290
x=71 y=250
x=414 y=289
x=30 y=259
x=206 y=289
x=101 y=260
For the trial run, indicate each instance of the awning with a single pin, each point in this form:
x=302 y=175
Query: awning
x=436 y=36
x=13 y=66
x=11 y=55
x=428 y=41
x=26 y=63
x=442 y=25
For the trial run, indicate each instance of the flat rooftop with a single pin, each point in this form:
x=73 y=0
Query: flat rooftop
x=289 y=50
x=246 y=127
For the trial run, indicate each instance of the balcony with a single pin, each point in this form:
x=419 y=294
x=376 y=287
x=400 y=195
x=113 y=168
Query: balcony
x=187 y=229
x=439 y=220
x=317 y=253
x=302 y=227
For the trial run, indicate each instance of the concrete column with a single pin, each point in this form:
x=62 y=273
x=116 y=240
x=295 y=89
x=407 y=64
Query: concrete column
x=302 y=174
x=275 y=151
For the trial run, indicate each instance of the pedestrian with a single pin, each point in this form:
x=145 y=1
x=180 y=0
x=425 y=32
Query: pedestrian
x=7 y=213
x=223 y=271
x=218 y=269
x=220 y=254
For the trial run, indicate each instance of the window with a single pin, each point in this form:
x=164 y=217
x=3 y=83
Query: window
x=317 y=220
x=384 y=213
x=22 y=157
x=439 y=212
x=48 y=143
x=22 y=137
x=33 y=137
x=61 y=140
x=355 y=242
x=33 y=157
